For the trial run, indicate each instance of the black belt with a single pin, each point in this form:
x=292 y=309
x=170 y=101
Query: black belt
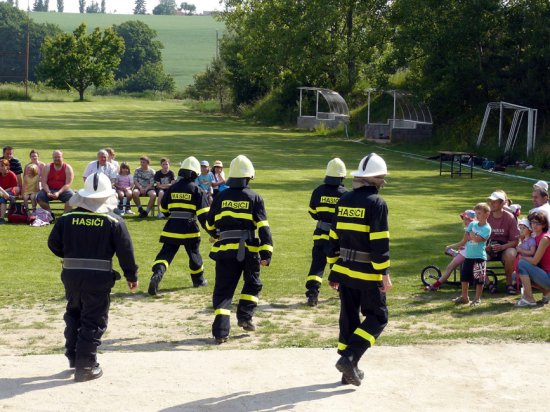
x=242 y=235
x=183 y=215
x=352 y=255
x=87 y=264
x=324 y=225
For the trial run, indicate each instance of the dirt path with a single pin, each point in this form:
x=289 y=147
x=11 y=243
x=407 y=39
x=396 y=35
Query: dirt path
x=462 y=377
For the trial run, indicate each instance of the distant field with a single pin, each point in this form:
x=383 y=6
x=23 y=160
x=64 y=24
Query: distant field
x=189 y=41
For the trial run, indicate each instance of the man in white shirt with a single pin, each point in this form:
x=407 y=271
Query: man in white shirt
x=540 y=199
x=101 y=165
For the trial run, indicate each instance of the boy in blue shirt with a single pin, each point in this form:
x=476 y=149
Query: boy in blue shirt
x=474 y=266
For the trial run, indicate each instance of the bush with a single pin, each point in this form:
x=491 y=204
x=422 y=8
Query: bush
x=272 y=109
x=151 y=77
x=13 y=92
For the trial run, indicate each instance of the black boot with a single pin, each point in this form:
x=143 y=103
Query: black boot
x=347 y=366
x=247 y=325
x=88 y=373
x=154 y=283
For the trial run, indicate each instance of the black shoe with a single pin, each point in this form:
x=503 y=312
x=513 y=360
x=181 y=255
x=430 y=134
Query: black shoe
x=142 y=213
x=219 y=341
x=360 y=373
x=154 y=284
x=247 y=325
x=312 y=300
x=200 y=284
x=348 y=369
x=88 y=374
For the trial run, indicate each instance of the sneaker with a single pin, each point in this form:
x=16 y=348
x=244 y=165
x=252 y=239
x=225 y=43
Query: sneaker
x=201 y=284
x=349 y=370
x=154 y=284
x=122 y=212
x=142 y=213
x=460 y=301
x=476 y=302
x=360 y=373
x=524 y=303
x=160 y=215
x=247 y=325
x=129 y=211
x=88 y=373
x=312 y=301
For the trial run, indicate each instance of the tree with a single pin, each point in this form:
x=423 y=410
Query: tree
x=103 y=7
x=187 y=8
x=93 y=7
x=140 y=7
x=212 y=84
x=40 y=5
x=165 y=7
x=79 y=60
x=140 y=47
x=81 y=6
x=150 y=76
x=60 y=6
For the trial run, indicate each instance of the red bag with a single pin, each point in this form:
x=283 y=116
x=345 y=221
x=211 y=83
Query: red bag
x=17 y=213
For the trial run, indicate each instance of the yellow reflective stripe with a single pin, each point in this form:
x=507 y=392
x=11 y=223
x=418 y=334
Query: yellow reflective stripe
x=353 y=226
x=381 y=266
x=199 y=270
x=180 y=235
x=342 y=346
x=251 y=298
x=365 y=335
x=247 y=216
x=326 y=209
x=380 y=235
x=262 y=223
x=332 y=260
x=203 y=210
x=314 y=277
x=319 y=237
x=310 y=210
x=163 y=210
x=355 y=274
x=181 y=206
x=223 y=312
x=333 y=234
x=269 y=248
x=163 y=262
x=210 y=227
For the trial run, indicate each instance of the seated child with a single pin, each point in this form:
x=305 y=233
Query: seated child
x=124 y=182
x=31 y=186
x=456 y=250
x=526 y=247
x=474 y=266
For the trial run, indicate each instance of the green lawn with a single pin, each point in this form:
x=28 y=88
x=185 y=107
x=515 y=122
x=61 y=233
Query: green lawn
x=189 y=41
x=424 y=208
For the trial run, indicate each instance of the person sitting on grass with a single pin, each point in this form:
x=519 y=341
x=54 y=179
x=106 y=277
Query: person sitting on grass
x=456 y=250
x=474 y=266
x=536 y=269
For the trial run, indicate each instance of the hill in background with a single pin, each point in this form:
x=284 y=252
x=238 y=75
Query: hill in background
x=189 y=41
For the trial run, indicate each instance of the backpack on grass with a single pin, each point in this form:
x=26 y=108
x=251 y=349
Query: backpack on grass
x=17 y=213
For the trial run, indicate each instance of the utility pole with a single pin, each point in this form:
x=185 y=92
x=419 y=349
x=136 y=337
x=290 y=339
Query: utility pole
x=27 y=52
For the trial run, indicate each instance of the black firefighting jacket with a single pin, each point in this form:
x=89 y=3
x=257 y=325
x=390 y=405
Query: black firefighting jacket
x=187 y=206
x=360 y=224
x=81 y=234
x=237 y=209
x=322 y=206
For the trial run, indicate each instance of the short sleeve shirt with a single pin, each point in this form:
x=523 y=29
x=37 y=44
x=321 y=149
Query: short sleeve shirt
x=204 y=182
x=94 y=167
x=476 y=250
x=144 y=177
x=164 y=179
x=505 y=228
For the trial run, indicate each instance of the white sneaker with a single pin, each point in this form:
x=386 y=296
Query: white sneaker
x=122 y=212
x=160 y=215
x=129 y=212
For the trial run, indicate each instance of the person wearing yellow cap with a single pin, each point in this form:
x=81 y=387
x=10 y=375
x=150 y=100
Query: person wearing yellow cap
x=321 y=208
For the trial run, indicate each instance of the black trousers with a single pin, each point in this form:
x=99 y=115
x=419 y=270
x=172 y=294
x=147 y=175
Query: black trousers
x=168 y=252
x=87 y=313
x=228 y=273
x=317 y=267
x=357 y=336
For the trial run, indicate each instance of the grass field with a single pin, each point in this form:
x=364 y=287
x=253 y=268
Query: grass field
x=424 y=210
x=189 y=41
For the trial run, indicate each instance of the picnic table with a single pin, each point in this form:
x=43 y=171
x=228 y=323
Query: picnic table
x=451 y=162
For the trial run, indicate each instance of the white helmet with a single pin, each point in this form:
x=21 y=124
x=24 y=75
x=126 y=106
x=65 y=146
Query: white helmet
x=97 y=186
x=240 y=167
x=371 y=165
x=336 y=168
x=191 y=163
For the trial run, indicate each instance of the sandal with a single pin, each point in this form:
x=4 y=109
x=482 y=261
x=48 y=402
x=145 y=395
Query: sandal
x=523 y=303
x=492 y=288
x=461 y=301
x=511 y=290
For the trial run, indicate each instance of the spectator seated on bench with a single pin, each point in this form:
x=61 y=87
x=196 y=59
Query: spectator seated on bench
x=144 y=185
x=56 y=182
x=536 y=269
x=8 y=187
x=124 y=185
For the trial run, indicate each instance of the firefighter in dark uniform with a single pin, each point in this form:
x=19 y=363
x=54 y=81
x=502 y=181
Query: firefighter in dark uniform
x=359 y=254
x=235 y=216
x=185 y=205
x=86 y=238
x=321 y=208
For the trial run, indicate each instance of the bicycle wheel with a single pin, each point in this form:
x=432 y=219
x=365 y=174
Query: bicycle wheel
x=430 y=274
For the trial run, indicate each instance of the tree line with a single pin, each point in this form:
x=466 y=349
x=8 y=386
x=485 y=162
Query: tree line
x=455 y=55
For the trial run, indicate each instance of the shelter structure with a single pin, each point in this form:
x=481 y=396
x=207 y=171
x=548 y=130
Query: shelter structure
x=519 y=114
x=331 y=110
x=410 y=120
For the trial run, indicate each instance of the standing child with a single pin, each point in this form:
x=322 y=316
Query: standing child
x=474 y=266
x=456 y=250
x=124 y=182
x=31 y=186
